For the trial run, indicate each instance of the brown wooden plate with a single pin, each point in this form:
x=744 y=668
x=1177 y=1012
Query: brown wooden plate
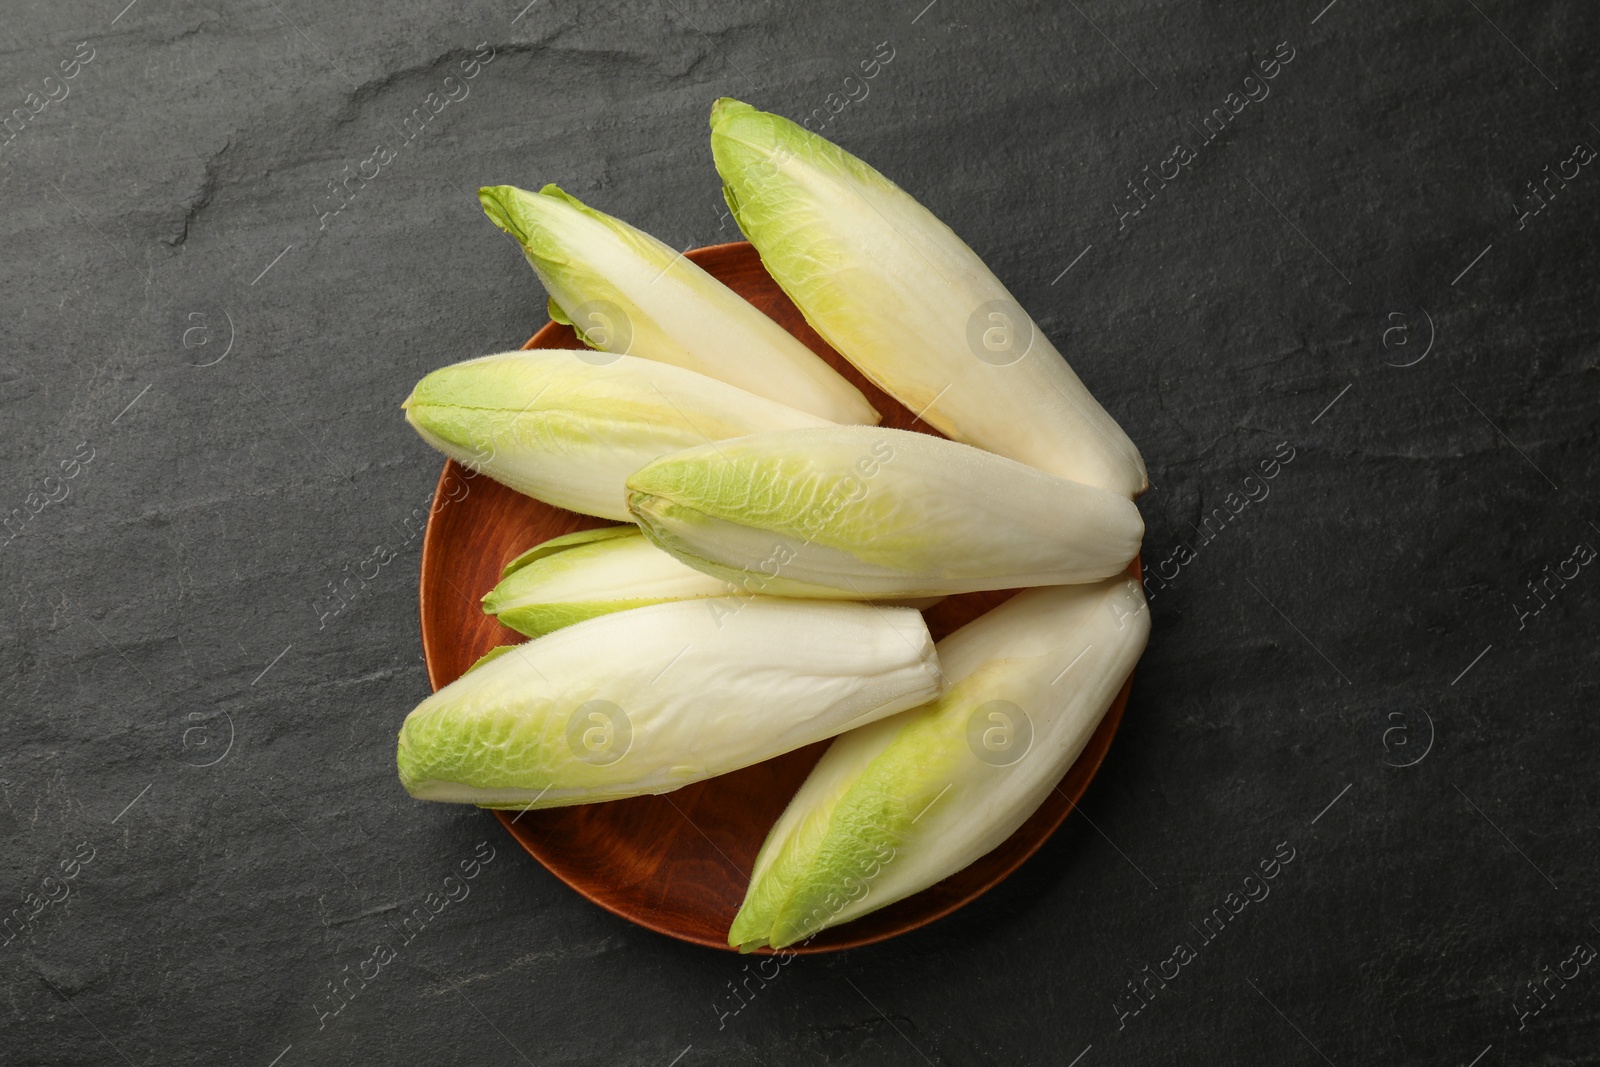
x=678 y=863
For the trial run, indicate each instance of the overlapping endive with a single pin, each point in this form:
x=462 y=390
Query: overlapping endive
x=590 y=573
x=594 y=572
x=878 y=513
x=896 y=806
x=898 y=294
x=647 y=701
x=567 y=431
x=624 y=291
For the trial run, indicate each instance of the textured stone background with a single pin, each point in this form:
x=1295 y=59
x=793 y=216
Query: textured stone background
x=1365 y=615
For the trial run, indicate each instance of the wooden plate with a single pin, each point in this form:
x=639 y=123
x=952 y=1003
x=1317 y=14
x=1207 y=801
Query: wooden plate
x=678 y=863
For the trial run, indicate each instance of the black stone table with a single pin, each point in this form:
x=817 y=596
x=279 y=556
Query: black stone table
x=236 y=233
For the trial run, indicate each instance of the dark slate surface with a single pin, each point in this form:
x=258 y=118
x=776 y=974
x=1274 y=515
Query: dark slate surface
x=1344 y=274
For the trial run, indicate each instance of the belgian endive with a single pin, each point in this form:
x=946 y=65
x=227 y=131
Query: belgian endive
x=899 y=805
x=878 y=513
x=564 y=430
x=624 y=291
x=898 y=294
x=647 y=701
x=594 y=572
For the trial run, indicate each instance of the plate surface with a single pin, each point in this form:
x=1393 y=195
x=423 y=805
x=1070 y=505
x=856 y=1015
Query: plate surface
x=678 y=863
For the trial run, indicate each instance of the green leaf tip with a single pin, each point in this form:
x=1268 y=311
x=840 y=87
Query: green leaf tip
x=555 y=192
x=565 y=541
x=499 y=203
x=727 y=107
x=494 y=653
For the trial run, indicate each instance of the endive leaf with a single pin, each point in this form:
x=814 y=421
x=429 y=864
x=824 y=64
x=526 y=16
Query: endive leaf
x=878 y=513
x=584 y=575
x=903 y=298
x=557 y=427
x=650 y=700
x=564 y=542
x=626 y=292
x=493 y=654
x=900 y=804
